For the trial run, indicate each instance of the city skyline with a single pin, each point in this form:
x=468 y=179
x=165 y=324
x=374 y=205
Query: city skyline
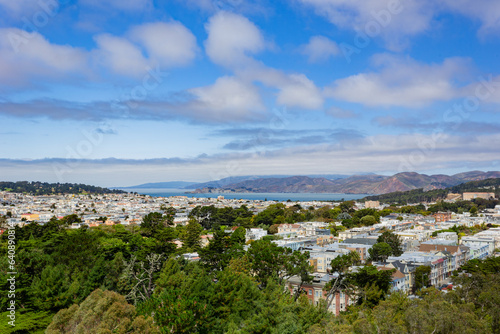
x=140 y=91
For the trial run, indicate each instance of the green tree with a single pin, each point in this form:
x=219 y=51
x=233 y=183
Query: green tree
x=273 y=229
x=205 y=216
x=191 y=238
x=54 y=289
x=243 y=222
x=238 y=236
x=480 y=286
x=101 y=312
x=371 y=285
x=380 y=252
x=393 y=241
x=220 y=250
x=422 y=277
x=473 y=211
x=270 y=214
x=70 y=219
x=347 y=206
x=269 y=261
x=368 y=220
x=154 y=224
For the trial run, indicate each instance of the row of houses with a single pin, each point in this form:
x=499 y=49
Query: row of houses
x=443 y=254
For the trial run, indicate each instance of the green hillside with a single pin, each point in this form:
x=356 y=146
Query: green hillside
x=43 y=188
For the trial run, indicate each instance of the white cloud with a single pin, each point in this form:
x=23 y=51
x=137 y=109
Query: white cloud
x=167 y=43
x=294 y=90
x=485 y=90
x=228 y=99
x=392 y=20
x=300 y=92
x=17 y=9
x=25 y=56
x=148 y=45
x=320 y=49
x=232 y=39
x=120 y=55
x=401 y=82
x=486 y=11
x=395 y=21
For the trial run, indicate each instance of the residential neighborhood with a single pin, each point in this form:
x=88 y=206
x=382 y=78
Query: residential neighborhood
x=422 y=239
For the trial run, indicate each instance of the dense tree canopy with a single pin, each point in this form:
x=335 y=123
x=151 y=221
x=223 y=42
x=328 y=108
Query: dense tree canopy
x=44 y=188
x=71 y=272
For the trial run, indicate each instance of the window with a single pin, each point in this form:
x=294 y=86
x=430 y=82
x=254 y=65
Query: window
x=310 y=292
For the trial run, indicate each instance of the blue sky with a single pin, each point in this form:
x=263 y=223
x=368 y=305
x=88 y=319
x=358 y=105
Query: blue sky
x=125 y=92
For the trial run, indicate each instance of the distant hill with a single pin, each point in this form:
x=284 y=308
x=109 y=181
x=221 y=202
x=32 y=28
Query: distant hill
x=357 y=184
x=172 y=184
x=43 y=188
x=419 y=195
x=237 y=179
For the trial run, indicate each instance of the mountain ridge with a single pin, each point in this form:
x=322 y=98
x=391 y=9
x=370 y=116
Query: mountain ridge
x=355 y=184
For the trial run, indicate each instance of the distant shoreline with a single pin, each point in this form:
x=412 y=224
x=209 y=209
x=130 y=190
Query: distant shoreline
x=302 y=197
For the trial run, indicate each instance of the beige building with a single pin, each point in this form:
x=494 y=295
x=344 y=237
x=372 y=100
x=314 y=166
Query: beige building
x=372 y=204
x=469 y=196
x=289 y=228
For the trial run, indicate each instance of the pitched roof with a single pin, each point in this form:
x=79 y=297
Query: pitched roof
x=398 y=275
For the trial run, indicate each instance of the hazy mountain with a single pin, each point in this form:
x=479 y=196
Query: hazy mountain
x=419 y=195
x=357 y=184
x=237 y=179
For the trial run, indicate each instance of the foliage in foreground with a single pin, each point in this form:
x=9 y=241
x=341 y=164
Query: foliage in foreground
x=101 y=312
x=472 y=307
x=73 y=273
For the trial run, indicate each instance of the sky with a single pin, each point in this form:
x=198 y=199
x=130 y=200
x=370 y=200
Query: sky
x=123 y=92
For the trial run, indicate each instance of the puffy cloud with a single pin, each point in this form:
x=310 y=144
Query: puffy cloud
x=395 y=21
x=391 y=20
x=167 y=43
x=232 y=39
x=229 y=98
x=486 y=11
x=294 y=90
x=300 y=92
x=320 y=49
x=25 y=56
x=401 y=82
x=19 y=7
x=120 y=55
